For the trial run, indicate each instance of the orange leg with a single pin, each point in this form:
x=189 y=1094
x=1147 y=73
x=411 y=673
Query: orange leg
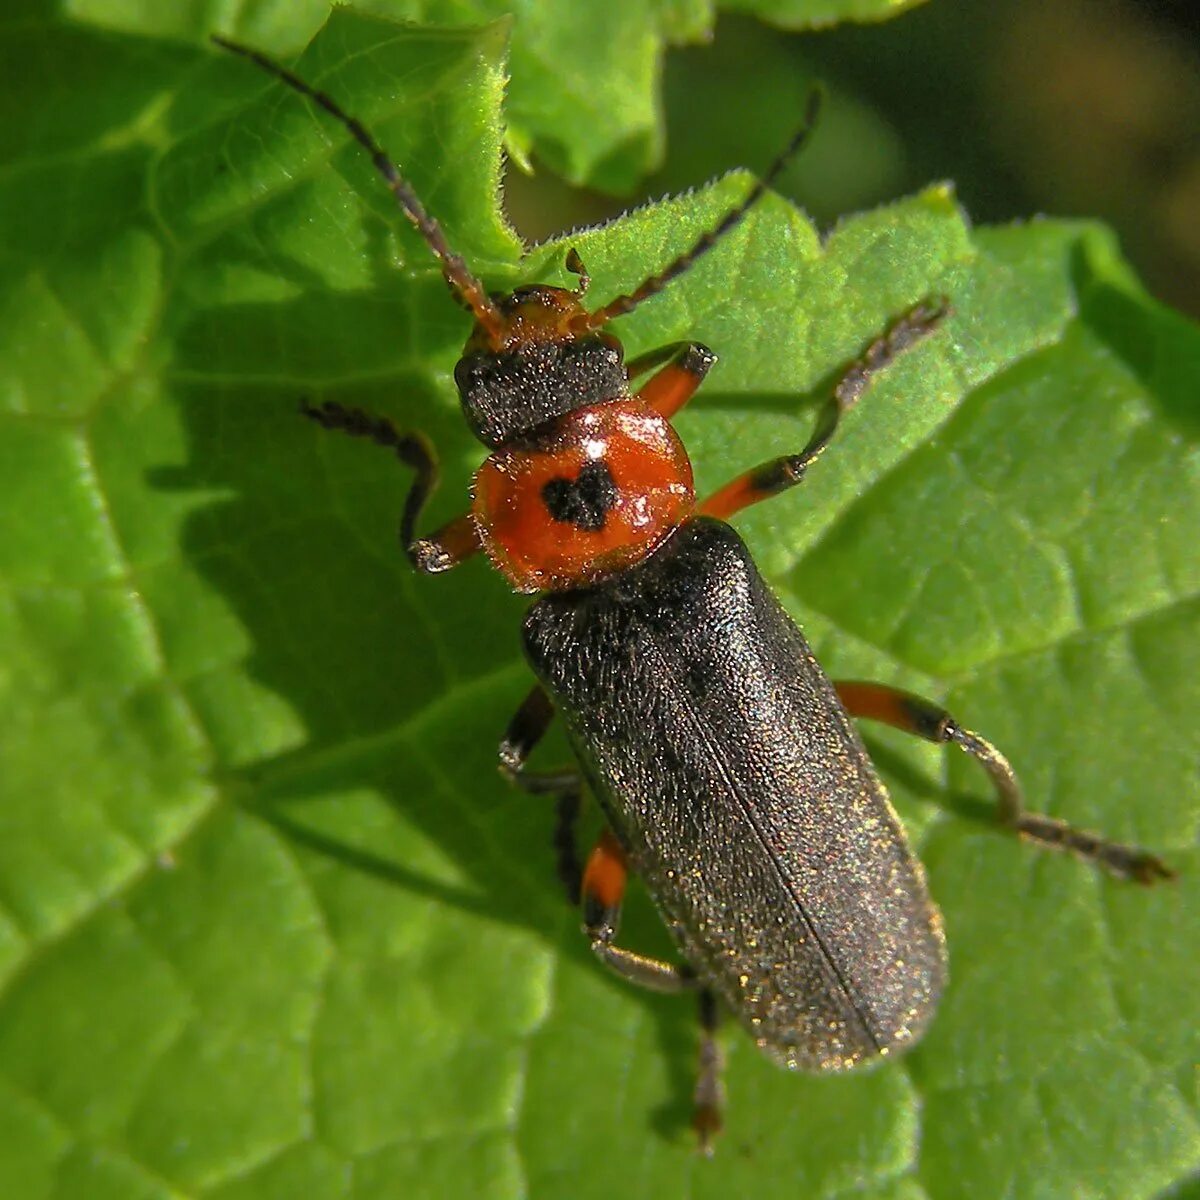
x=600 y=887
x=603 y=889
x=604 y=880
x=453 y=542
x=912 y=714
x=686 y=364
x=445 y=547
x=771 y=478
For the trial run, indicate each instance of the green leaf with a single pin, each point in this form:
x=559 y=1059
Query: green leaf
x=270 y=923
x=808 y=14
x=584 y=89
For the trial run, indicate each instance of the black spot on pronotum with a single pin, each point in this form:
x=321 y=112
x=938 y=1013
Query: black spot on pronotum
x=584 y=501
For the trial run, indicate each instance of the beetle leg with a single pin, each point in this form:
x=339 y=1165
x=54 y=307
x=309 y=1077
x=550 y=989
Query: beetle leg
x=912 y=714
x=567 y=789
x=603 y=891
x=770 y=478
x=601 y=888
x=709 y=1097
x=527 y=727
x=684 y=366
x=445 y=547
x=604 y=881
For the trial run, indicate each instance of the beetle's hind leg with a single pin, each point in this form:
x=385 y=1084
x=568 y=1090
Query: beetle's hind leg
x=709 y=1098
x=600 y=889
x=912 y=714
x=604 y=880
x=445 y=547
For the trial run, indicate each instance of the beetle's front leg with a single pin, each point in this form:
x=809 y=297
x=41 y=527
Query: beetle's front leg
x=912 y=714
x=684 y=366
x=445 y=547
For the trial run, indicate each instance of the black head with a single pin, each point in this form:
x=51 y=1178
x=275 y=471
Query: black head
x=548 y=364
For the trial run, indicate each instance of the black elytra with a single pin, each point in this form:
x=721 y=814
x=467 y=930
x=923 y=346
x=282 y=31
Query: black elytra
x=739 y=787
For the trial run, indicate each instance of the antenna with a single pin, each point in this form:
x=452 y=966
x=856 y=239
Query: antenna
x=655 y=284
x=462 y=283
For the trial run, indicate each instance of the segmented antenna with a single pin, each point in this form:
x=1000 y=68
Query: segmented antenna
x=706 y=241
x=462 y=283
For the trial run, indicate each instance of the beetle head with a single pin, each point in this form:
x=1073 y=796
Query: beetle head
x=536 y=353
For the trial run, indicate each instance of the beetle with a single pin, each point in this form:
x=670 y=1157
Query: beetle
x=726 y=764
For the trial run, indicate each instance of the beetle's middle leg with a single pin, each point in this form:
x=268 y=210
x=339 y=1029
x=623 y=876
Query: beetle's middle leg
x=912 y=714
x=446 y=547
x=527 y=727
x=770 y=478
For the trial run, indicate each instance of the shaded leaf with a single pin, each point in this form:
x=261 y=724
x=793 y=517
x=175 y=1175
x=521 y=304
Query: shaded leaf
x=584 y=90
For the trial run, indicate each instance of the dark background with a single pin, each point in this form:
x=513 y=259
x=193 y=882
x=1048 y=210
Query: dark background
x=1073 y=108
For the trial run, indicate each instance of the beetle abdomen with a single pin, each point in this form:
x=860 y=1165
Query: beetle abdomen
x=739 y=787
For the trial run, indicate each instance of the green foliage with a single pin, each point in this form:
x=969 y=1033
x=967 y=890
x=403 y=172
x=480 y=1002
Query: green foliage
x=271 y=925
x=584 y=76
